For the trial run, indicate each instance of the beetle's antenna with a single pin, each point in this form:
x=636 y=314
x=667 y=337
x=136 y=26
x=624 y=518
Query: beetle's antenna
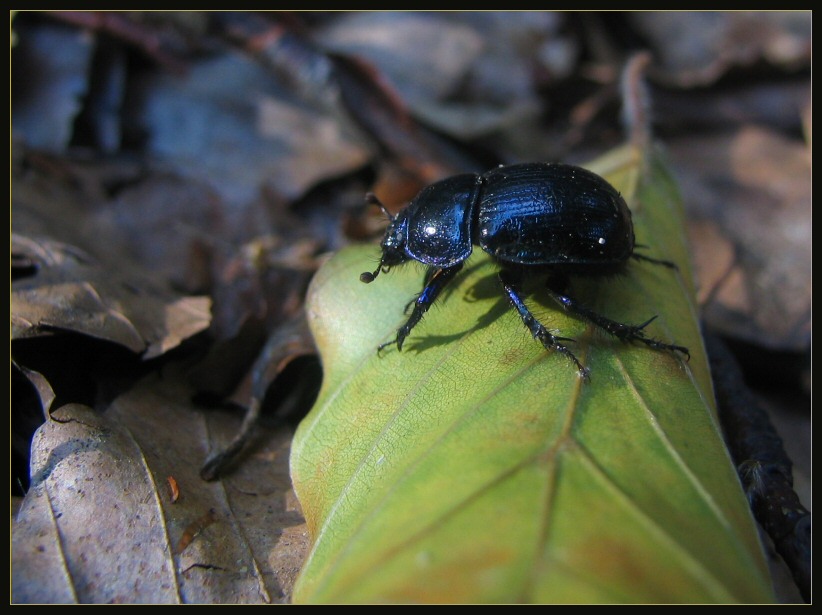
x=371 y=199
x=368 y=277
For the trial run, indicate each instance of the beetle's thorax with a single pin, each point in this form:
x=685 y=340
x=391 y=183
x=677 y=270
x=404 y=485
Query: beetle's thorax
x=435 y=228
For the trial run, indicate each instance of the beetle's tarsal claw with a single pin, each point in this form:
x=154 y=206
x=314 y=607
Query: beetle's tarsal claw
x=385 y=345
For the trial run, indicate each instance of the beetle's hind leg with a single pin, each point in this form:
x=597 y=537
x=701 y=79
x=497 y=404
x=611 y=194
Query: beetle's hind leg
x=655 y=261
x=627 y=333
x=510 y=282
x=435 y=281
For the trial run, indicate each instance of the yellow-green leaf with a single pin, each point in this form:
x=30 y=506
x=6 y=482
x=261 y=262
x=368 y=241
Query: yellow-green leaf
x=474 y=466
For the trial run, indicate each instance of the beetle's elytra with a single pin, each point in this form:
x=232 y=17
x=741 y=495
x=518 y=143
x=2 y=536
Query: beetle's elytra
x=554 y=220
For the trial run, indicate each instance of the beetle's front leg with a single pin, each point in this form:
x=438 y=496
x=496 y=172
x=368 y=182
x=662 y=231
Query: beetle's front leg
x=436 y=280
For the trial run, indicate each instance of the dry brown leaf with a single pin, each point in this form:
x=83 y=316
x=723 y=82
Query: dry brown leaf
x=697 y=47
x=230 y=124
x=749 y=194
x=72 y=291
x=98 y=524
x=40 y=385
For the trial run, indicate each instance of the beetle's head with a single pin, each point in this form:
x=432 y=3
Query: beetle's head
x=393 y=246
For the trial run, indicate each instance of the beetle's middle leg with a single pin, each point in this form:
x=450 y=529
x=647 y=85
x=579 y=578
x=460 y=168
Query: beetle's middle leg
x=510 y=282
x=435 y=281
x=557 y=285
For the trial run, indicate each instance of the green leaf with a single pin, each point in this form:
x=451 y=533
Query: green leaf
x=476 y=467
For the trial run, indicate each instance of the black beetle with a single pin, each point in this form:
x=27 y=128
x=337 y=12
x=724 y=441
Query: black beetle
x=554 y=219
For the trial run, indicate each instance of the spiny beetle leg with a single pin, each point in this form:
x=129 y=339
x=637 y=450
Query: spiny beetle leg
x=435 y=282
x=627 y=333
x=537 y=329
